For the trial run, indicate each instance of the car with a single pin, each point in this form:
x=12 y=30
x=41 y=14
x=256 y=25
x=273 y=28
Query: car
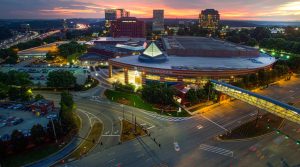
x=52 y=116
x=10 y=118
x=3 y=124
x=26 y=133
x=176 y=146
x=199 y=127
x=5 y=137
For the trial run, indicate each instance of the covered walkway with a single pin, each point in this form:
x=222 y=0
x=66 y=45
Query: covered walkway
x=271 y=105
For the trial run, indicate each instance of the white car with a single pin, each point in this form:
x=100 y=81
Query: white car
x=199 y=127
x=176 y=146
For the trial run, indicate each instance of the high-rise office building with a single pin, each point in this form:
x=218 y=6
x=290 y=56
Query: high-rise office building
x=209 y=18
x=110 y=14
x=128 y=27
x=158 y=20
x=114 y=14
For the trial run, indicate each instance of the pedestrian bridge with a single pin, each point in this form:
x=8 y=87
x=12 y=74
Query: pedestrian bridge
x=271 y=105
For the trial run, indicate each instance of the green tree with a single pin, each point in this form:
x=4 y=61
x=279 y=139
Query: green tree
x=17 y=78
x=51 y=55
x=9 y=55
x=3 y=91
x=261 y=33
x=18 y=140
x=251 y=42
x=73 y=47
x=38 y=97
x=67 y=114
x=61 y=79
x=192 y=97
x=59 y=131
x=13 y=93
x=158 y=93
x=38 y=134
x=2 y=151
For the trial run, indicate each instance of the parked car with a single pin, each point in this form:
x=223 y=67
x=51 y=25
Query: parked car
x=5 y=137
x=3 y=124
x=52 y=116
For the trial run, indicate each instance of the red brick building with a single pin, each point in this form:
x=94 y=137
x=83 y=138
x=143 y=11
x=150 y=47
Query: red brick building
x=43 y=106
x=128 y=27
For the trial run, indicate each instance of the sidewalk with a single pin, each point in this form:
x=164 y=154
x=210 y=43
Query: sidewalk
x=69 y=148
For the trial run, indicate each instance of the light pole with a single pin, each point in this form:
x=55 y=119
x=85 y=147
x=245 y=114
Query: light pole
x=54 y=130
x=122 y=105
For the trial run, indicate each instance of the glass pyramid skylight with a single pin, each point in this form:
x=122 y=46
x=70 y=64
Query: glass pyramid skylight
x=152 y=50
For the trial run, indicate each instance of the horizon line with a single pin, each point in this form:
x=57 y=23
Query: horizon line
x=141 y=18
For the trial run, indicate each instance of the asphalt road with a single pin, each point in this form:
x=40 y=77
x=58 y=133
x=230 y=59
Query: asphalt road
x=195 y=136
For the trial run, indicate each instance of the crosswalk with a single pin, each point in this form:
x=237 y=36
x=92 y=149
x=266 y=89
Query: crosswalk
x=166 y=118
x=216 y=150
x=153 y=115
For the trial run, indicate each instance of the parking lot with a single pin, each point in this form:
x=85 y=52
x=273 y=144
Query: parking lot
x=20 y=117
x=39 y=70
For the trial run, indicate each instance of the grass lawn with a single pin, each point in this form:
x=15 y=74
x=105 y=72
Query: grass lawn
x=88 y=143
x=136 y=101
x=128 y=132
x=249 y=129
x=30 y=156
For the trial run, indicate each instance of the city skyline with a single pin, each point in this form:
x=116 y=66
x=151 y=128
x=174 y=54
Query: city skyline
x=265 y=10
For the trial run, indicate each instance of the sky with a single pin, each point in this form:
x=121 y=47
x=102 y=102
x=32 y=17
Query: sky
x=267 y=10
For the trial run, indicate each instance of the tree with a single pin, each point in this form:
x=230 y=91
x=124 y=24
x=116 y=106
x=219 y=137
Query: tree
x=37 y=134
x=158 y=93
x=67 y=114
x=13 y=93
x=5 y=33
x=3 y=90
x=18 y=140
x=251 y=42
x=51 y=55
x=17 y=78
x=2 y=151
x=61 y=79
x=261 y=33
x=9 y=55
x=59 y=132
x=71 y=48
x=192 y=97
x=38 y=97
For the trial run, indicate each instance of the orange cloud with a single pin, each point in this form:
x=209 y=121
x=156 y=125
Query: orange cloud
x=66 y=11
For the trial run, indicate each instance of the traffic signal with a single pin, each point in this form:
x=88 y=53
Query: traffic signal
x=298 y=142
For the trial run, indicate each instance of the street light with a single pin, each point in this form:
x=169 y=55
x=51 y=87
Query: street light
x=53 y=129
x=122 y=105
x=179 y=111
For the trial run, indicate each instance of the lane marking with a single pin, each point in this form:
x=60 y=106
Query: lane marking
x=216 y=150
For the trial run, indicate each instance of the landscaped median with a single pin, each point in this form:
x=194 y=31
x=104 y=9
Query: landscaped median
x=135 y=100
x=131 y=131
x=262 y=125
x=88 y=143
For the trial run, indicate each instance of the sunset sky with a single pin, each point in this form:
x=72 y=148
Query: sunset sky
x=273 y=10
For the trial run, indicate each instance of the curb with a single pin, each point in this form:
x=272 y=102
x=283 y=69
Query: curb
x=251 y=138
x=72 y=140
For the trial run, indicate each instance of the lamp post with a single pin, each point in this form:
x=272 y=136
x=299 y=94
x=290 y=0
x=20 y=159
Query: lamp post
x=54 y=130
x=122 y=105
